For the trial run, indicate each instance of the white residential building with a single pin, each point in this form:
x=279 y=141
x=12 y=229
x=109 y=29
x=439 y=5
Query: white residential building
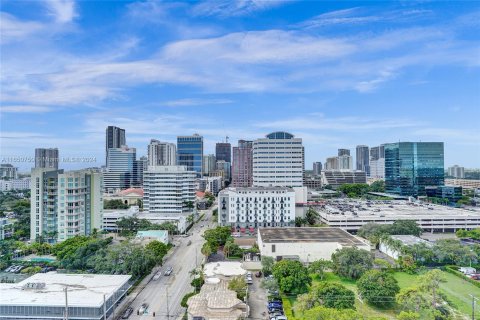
x=65 y=204
x=456 y=172
x=15 y=184
x=168 y=190
x=278 y=161
x=8 y=171
x=250 y=208
x=162 y=153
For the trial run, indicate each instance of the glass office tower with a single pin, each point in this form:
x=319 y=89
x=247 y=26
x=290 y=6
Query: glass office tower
x=190 y=152
x=411 y=166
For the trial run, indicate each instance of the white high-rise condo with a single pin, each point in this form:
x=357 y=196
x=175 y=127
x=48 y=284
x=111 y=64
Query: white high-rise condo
x=278 y=160
x=65 y=204
x=162 y=153
x=169 y=190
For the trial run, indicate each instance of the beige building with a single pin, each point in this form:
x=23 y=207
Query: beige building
x=216 y=302
x=306 y=244
x=465 y=183
x=128 y=196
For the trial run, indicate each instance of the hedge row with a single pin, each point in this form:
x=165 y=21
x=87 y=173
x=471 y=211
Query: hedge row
x=452 y=270
x=287 y=308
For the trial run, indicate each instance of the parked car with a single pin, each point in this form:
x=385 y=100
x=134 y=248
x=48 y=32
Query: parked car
x=258 y=274
x=157 y=276
x=168 y=271
x=127 y=313
x=143 y=308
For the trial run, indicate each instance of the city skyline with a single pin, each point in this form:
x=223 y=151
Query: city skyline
x=334 y=74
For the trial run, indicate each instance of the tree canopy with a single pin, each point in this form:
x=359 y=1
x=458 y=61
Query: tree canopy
x=378 y=288
x=351 y=262
x=292 y=276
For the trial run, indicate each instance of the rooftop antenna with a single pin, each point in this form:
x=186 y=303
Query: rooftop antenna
x=226 y=139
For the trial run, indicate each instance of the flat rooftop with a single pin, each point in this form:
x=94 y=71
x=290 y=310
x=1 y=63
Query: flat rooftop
x=410 y=240
x=84 y=290
x=247 y=189
x=308 y=234
x=387 y=209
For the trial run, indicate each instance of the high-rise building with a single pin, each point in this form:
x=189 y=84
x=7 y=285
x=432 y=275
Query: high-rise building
x=345 y=162
x=331 y=163
x=169 y=191
x=278 y=160
x=343 y=152
x=226 y=168
x=456 y=172
x=8 y=171
x=209 y=164
x=317 y=168
x=190 y=153
x=114 y=138
x=162 y=153
x=412 y=166
x=64 y=204
x=363 y=159
x=119 y=174
x=377 y=162
x=223 y=151
x=242 y=166
x=46 y=158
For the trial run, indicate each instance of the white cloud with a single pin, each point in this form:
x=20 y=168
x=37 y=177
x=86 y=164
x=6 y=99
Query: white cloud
x=229 y=8
x=13 y=29
x=63 y=11
x=317 y=121
x=195 y=102
x=24 y=109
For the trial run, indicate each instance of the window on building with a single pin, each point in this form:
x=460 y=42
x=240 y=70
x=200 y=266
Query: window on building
x=273 y=248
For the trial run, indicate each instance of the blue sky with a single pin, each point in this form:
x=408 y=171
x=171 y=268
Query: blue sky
x=335 y=73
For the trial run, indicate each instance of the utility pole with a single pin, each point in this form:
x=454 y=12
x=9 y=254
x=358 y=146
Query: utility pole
x=66 y=303
x=473 y=305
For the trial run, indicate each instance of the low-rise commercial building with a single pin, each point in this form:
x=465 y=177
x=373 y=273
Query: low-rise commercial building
x=42 y=296
x=451 y=193
x=153 y=235
x=306 y=244
x=250 y=208
x=465 y=183
x=351 y=214
x=111 y=217
x=180 y=221
x=405 y=240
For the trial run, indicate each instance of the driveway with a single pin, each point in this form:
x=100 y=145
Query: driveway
x=257 y=300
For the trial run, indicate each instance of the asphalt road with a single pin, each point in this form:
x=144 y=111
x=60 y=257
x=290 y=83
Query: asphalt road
x=183 y=259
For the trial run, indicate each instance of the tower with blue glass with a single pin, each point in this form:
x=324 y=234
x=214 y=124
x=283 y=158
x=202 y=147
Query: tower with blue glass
x=412 y=166
x=190 y=152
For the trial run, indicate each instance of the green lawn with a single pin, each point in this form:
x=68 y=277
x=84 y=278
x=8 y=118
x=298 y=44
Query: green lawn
x=456 y=289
